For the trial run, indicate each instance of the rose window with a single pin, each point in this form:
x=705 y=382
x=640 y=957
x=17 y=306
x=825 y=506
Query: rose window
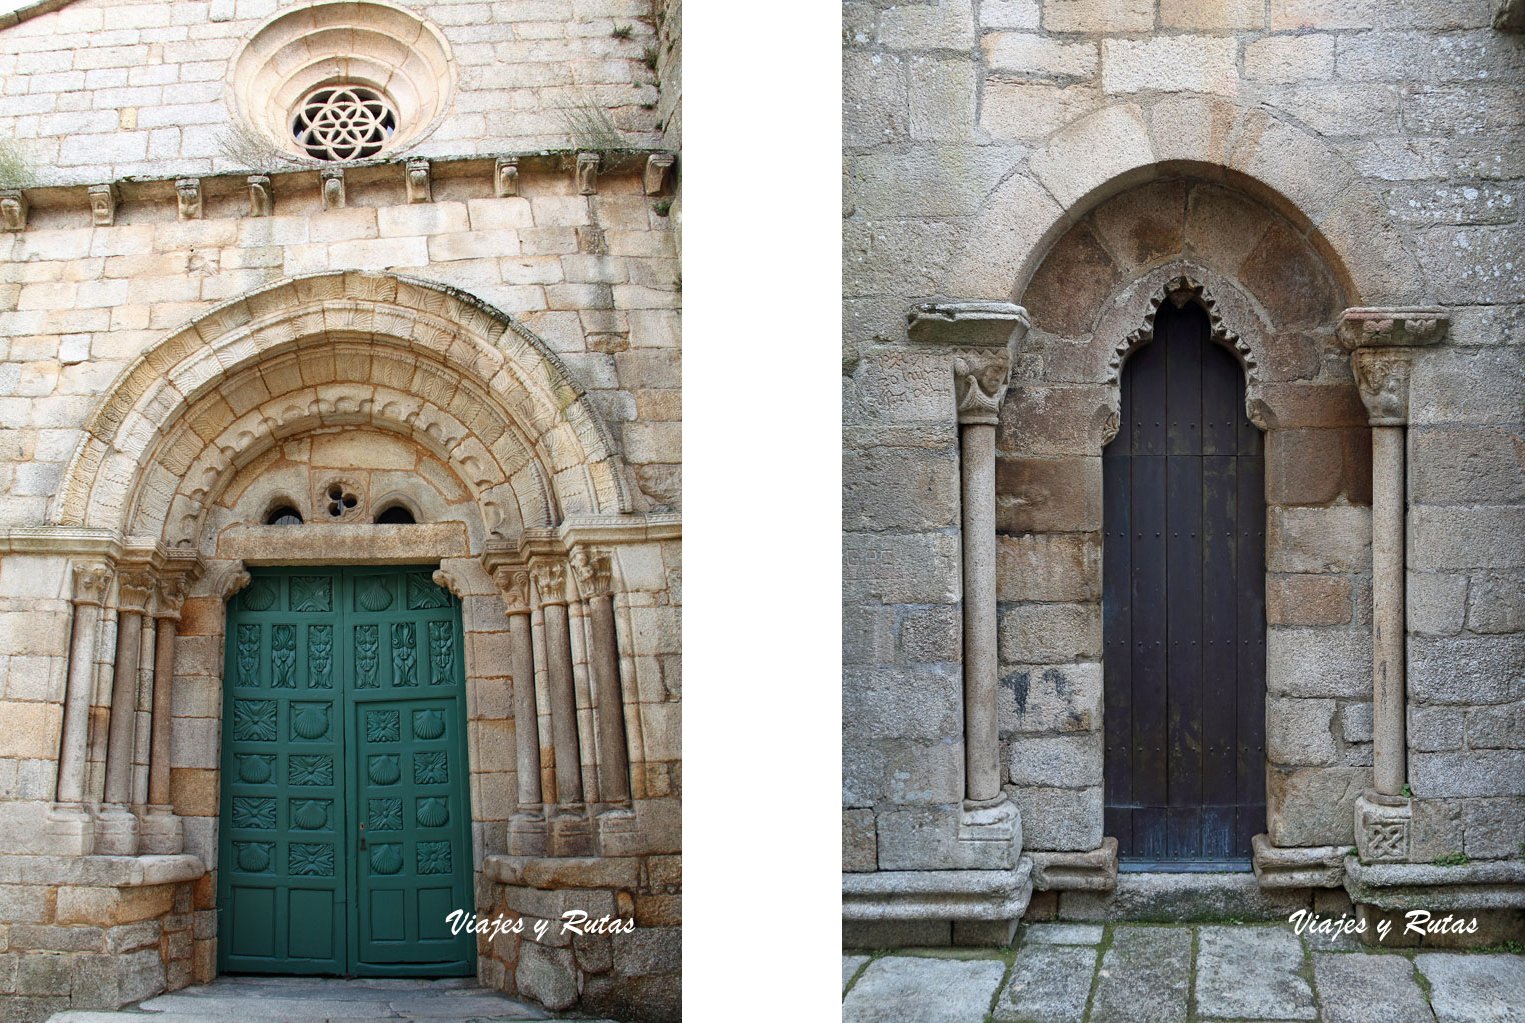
x=344 y=122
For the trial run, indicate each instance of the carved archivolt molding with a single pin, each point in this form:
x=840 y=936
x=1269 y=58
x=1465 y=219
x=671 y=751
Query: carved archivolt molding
x=1178 y=291
x=471 y=361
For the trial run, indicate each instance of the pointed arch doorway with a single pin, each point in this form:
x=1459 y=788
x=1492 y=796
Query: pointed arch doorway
x=1184 y=606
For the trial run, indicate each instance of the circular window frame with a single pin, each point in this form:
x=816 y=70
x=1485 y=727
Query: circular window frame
x=367 y=43
x=313 y=106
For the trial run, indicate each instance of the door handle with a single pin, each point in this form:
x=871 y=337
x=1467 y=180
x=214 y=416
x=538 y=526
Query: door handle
x=362 y=836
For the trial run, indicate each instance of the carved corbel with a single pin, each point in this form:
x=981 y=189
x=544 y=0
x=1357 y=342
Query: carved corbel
x=550 y=579
x=1366 y=327
x=13 y=209
x=91 y=581
x=417 y=179
x=333 y=188
x=587 y=173
x=261 y=196
x=1382 y=376
x=447 y=580
x=654 y=180
x=514 y=585
x=594 y=571
x=188 y=196
x=980 y=387
x=505 y=176
x=227 y=579
x=103 y=200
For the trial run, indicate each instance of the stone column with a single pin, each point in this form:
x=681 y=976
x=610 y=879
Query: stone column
x=161 y=831
x=569 y=832
x=117 y=830
x=594 y=574
x=526 y=827
x=91 y=581
x=1383 y=341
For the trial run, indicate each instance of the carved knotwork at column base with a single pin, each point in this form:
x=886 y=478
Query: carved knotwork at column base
x=1382 y=829
x=117 y=831
x=161 y=832
x=990 y=834
x=569 y=834
x=526 y=834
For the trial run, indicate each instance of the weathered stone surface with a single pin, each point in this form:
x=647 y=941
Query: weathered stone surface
x=850 y=967
x=1065 y=294
x=1308 y=600
x=1318 y=540
x=1310 y=467
x=1466 y=466
x=1146 y=976
x=1048 y=494
x=1067 y=761
x=1465 y=987
x=906 y=489
x=1443 y=539
x=1048 y=567
x=1048 y=984
x=1062 y=934
x=1175 y=63
x=901 y=989
x=1467 y=669
x=1353 y=988
x=1050 y=633
x=1313 y=806
x=1299 y=731
x=1251 y=972
x=1496 y=603
x=1437 y=603
x=1318 y=662
x=1474 y=773
x=1049 y=698
x=1176 y=898
x=1060 y=818
x=859 y=843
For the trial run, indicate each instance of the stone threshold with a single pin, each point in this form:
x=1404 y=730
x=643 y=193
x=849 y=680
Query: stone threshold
x=996 y=895
x=403 y=179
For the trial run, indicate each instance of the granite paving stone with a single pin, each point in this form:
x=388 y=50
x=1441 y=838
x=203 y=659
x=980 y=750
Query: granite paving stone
x=1063 y=934
x=1251 y=972
x=1474 y=988
x=850 y=966
x=1049 y=984
x=1355 y=988
x=1144 y=977
x=911 y=989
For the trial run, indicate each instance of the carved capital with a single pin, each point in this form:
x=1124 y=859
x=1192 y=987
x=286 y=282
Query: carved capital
x=587 y=173
x=417 y=179
x=594 y=570
x=333 y=188
x=261 y=196
x=551 y=580
x=1382 y=375
x=13 y=209
x=188 y=196
x=134 y=587
x=505 y=176
x=103 y=200
x=1368 y=327
x=979 y=388
x=91 y=581
x=170 y=595
x=514 y=584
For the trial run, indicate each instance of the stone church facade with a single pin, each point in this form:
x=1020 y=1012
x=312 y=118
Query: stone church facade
x=1184 y=510
x=340 y=495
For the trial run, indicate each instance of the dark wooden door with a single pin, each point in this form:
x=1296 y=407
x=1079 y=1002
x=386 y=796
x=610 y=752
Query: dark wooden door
x=1184 y=606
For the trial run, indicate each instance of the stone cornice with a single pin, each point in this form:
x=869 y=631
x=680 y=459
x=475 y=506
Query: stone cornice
x=1369 y=326
x=183 y=195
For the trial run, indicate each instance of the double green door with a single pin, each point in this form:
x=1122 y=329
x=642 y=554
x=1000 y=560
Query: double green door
x=345 y=833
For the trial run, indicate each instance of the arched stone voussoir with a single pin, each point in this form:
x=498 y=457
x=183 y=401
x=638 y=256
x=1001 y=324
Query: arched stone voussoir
x=502 y=364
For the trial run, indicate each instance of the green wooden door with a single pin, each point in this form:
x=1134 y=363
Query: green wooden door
x=345 y=838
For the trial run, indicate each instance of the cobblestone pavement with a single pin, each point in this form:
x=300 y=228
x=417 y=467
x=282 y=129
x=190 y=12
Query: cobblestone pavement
x=1152 y=973
x=320 y=1000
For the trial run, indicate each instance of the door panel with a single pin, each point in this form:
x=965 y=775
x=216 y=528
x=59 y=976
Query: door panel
x=345 y=715
x=1183 y=605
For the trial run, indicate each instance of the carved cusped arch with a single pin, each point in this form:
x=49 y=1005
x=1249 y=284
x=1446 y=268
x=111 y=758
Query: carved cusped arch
x=394 y=353
x=1179 y=291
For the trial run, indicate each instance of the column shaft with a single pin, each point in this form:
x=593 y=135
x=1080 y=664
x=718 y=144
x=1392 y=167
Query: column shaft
x=76 y=732
x=603 y=659
x=1388 y=696
x=164 y=687
x=124 y=705
x=558 y=651
x=526 y=716
x=982 y=769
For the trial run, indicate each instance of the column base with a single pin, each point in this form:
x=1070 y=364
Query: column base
x=990 y=834
x=116 y=831
x=161 y=832
x=70 y=830
x=1093 y=871
x=1320 y=866
x=1382 y=827
x=526 y=834
x=570 y=833
x=617 y=832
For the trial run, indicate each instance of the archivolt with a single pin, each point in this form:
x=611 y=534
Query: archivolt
x=402 y=353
